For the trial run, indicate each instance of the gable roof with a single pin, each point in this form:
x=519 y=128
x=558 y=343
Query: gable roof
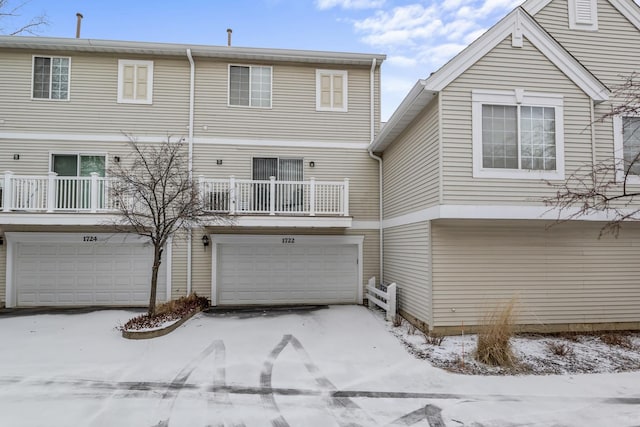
x=628 y=8
x=518 y=24
x=174 y=49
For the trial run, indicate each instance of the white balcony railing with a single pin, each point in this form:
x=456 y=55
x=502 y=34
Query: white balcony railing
x=245 y=196
x=53 y=193
x=92 y=194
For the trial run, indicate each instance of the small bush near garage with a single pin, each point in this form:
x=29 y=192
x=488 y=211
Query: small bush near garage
x=616 y=339
x=167 y=313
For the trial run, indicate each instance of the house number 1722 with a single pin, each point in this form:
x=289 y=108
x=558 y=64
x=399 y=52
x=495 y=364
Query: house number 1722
x=288 y=240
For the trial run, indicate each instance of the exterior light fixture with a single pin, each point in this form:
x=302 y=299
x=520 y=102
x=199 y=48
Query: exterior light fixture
x=312 y=164
x=205 y=240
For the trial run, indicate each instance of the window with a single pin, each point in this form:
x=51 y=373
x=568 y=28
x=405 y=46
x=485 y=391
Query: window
x=517 y=134
x=627 y=148
x=135 y=82
x=250 y=86
x=51 y=77
x=73 y=193
x=331 y=90
x=583 y=15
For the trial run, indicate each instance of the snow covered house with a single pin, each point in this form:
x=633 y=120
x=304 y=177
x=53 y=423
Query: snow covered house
x=279 y=139
x=467 y=157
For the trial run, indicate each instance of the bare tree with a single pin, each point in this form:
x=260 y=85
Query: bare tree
x=9 y=11
x=604 y=187
x=156 y=197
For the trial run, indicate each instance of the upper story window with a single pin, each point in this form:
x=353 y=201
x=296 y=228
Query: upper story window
x=627 y=148
x=250 y=86
x=51 y=76
x=331 y=90
x=135 y=81
x=583 y=15
x=517 y=134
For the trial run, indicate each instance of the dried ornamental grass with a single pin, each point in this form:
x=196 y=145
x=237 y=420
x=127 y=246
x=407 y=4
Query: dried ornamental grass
x=494 y=346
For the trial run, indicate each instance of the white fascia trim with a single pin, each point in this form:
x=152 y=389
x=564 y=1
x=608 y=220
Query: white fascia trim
x=629 y=10
x=504 y=212
x=283 y=143
x=19 y=218
x=520 y=20
x=80 y=137
x=288 y=221
x=256 y=239
x=161 y=139
x=534 y=6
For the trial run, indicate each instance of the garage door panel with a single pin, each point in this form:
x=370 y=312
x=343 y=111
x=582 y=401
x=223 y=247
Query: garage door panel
x=79 y=274
x=286 y=274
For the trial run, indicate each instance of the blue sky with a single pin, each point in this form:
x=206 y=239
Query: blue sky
x=418 y=36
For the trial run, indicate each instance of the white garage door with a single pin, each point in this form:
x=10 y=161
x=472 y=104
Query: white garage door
x=287 y=273
x=87 y=273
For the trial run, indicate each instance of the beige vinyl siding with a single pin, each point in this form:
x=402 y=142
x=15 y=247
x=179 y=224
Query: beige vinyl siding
x=508 y=68
x=293 y=115
x=410 y=166
x=92 y=107
x=330 y=165
x=179 y=266
x=561 y=275
x=202 y=257
x=3 y=275
x=407 y=262
x=612 y=54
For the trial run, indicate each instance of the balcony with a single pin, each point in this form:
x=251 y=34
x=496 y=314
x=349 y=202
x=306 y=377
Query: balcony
x=288 y=203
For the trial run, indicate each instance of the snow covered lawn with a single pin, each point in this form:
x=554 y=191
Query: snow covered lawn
x=330 y=367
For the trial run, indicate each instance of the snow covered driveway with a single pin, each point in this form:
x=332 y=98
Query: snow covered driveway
x=330 y=367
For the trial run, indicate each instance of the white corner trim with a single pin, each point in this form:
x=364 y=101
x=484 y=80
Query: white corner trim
x=550 y=48
x=168 y=260
x=276 y=239
x=503 y=212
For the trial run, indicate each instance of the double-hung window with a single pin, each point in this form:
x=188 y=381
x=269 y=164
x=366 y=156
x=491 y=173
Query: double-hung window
x=250 y=86
x=51 y=76
x=135 y=81
x=627 y=148
x=517 y=134
x=331 y=90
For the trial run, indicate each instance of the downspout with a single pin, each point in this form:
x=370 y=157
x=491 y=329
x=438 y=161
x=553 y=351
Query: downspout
x=379 y=159
x=192 y=87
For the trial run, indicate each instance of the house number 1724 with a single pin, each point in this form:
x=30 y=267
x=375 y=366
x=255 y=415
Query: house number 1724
x=89 y=238
x=288 y=240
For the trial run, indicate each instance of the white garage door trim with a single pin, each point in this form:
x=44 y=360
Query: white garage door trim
x=218 y=239
x=13 y=238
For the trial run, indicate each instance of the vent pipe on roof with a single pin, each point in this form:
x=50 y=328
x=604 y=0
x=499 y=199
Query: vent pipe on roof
x=78 y=24
x=229 y=31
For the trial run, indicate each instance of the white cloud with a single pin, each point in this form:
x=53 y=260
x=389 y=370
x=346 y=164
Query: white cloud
x=402 y=25
x=349 y=4
x=401 y=61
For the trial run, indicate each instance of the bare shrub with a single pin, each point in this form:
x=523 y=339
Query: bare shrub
x=433 y=339
x=559 y=349
x=494 y=346
x=397 y=321
x=411 y=328
x=617 y=339
x=165 y=312
x=570 y=336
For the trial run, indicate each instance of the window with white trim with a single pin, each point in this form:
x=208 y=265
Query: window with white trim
x=627 y=148
x=250 y=86
x=135 y=82
x=517 y=134
x=583 y=15
x=51 y=75
x=331 y=90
